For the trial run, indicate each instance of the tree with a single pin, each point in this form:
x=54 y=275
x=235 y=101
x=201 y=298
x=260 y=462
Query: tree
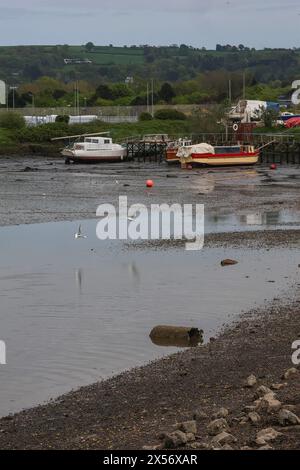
x=105 y=92
x=167 y=92
x=89 y=46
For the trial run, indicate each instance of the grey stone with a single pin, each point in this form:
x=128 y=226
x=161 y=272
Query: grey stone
x=286 y=418
x=217 y=426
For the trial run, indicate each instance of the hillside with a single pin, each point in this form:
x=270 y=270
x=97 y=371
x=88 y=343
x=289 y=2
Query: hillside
x=19 y=64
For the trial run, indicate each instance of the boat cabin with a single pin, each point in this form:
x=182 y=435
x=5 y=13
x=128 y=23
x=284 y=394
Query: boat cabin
x=94 y=143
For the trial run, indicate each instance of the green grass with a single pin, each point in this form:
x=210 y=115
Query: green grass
x=5 y=136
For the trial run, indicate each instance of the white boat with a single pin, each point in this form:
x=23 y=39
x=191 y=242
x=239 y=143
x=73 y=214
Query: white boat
x=94 y=148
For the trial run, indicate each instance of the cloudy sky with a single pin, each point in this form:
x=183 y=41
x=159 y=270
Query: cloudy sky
x=267 y=23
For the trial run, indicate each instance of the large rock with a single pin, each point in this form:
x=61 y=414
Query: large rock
x=188 y=427
x=287 y=418
x=217 y=426
x=266 y=435
x=175 y=439
x=223 y=438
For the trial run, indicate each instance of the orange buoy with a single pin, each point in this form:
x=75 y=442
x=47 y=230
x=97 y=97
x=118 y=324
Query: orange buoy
x=149 y=184
x=273 y=166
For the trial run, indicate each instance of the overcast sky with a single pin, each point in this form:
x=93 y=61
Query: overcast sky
x=257 y=23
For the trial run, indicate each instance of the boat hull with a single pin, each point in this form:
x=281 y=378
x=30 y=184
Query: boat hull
x=171 y=156
x=223 y=159
x=214 y=159
x=94 y=156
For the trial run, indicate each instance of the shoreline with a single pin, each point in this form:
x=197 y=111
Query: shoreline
x=134 y=409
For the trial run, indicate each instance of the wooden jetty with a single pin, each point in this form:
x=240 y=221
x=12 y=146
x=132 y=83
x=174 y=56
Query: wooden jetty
x=275 y=148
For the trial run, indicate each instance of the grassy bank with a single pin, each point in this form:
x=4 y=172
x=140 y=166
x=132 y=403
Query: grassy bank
x=37 y=140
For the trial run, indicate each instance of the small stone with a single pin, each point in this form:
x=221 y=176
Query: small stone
x=251 y=381
x=277 y=387
x=243 y=421
x=175 y=439
x=262 y=390
x=266 y=448
x=217 y=426
x=200 y=415
x=286 y=418
x=227 y=447
x=268 y=402
x=266 y=435
x=246 y=448
x=228 y=262
x=188 y=427
x=290 y=373
x=190 y=437
x=254 y=417
x=249 y=408
x=199 y=445
x=290 y=407
x=223 y=438
x=221 y=413
x=158 y=447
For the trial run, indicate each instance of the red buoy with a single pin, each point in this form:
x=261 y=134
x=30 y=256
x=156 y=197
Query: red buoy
x=149 y=184
x=273 y=166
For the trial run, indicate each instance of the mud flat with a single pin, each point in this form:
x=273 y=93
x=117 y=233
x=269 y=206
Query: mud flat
x=35 y=190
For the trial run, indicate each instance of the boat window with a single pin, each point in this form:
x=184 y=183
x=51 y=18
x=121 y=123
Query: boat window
x=107 y=141
x=235 y=149
x=95 y=141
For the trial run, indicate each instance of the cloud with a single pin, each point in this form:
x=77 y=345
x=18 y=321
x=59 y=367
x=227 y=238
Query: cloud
x=7 y=13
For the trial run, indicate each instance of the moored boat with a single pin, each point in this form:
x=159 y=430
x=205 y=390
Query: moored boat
x=93 y=148
x=206 y=154
x=173 y=147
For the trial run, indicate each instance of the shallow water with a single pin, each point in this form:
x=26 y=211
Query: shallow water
x=75 y=311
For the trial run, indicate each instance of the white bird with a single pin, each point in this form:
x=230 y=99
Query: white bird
x=131 y=219
x=79 y=234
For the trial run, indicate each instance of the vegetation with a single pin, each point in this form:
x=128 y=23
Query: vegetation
x=109 y=75
x=10 y=120
x=169 y=114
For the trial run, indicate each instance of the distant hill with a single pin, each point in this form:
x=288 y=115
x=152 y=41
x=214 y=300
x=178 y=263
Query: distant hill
x=20 y=64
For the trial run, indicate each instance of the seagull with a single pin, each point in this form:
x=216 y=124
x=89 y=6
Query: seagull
x=79 y=234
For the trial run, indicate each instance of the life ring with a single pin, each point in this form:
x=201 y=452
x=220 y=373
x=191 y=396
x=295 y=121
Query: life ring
x=235 y=127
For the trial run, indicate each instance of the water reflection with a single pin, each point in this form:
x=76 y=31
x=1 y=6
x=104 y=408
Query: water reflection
x=78 y=278
x=279 y=218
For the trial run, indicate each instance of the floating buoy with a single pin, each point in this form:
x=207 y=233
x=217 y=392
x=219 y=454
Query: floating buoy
x=149 y=184
x=273 y=166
